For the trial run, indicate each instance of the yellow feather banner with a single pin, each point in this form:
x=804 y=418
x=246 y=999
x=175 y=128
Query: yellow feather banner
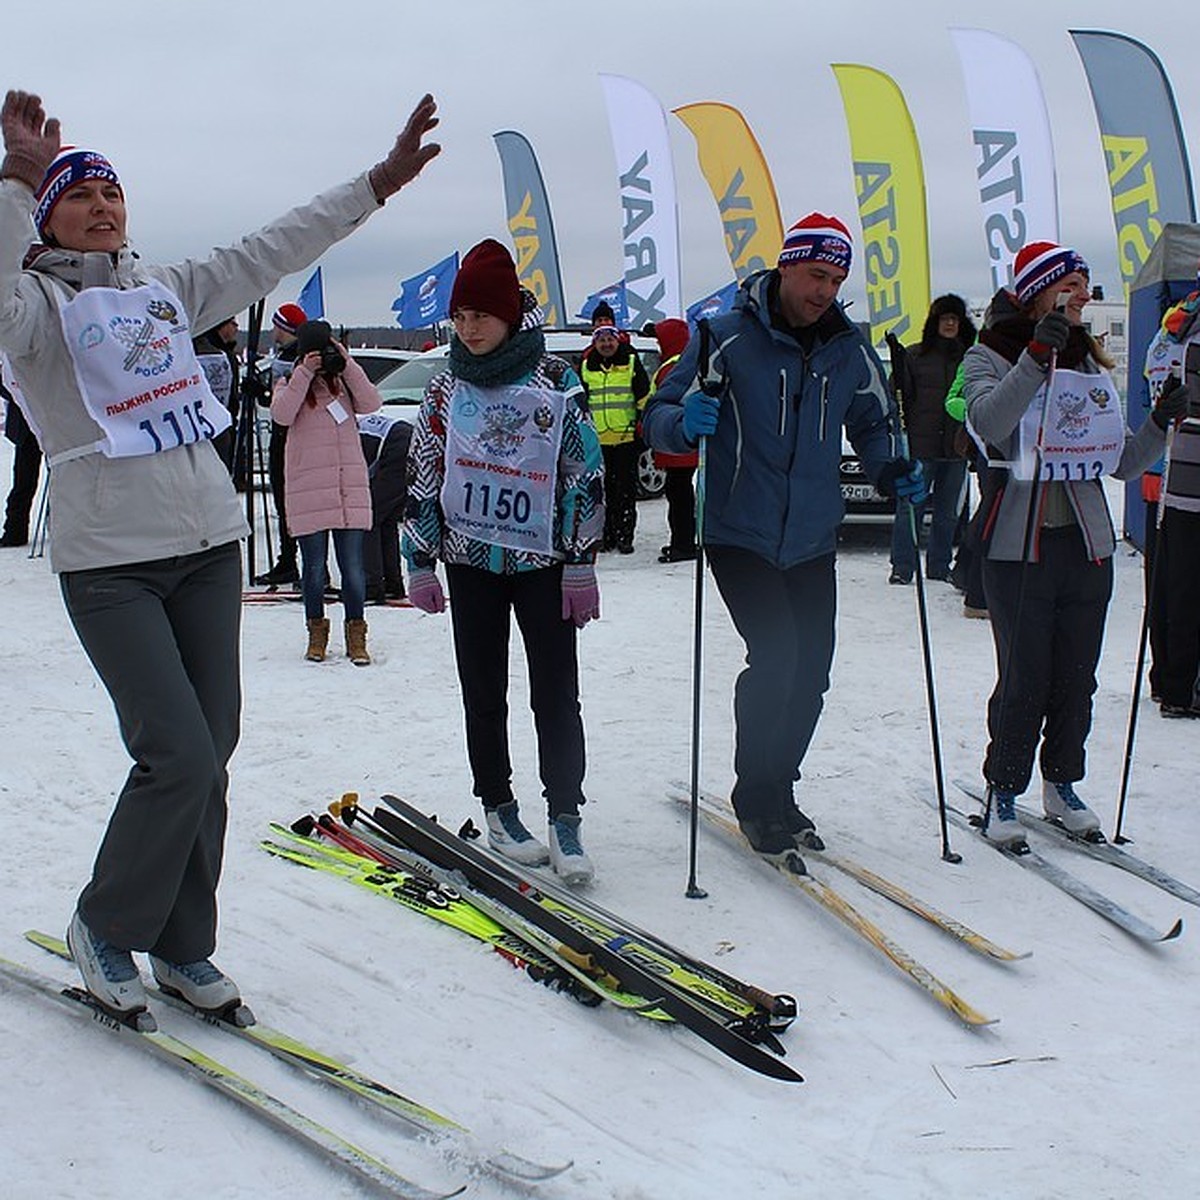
x=889 y=185
x=733 y=164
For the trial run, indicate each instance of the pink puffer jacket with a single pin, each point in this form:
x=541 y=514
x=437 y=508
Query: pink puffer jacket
x=325 y=474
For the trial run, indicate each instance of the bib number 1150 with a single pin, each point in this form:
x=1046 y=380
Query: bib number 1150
x=501 y=504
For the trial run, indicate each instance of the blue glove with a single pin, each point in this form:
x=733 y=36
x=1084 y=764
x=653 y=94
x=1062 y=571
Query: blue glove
x=700 y=416
x=903 y=479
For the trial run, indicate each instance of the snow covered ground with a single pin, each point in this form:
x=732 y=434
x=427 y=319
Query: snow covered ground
x=1087 y=1087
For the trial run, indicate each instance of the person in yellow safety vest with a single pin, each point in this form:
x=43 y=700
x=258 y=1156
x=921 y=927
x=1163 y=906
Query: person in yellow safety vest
x=617 y=385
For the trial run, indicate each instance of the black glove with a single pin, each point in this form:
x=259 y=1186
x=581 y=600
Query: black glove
x=1052 y=330
x=1174 y=401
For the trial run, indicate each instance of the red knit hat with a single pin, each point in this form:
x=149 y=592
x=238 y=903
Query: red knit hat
x=818 y=238
x=1040 y=265
x=288 y=318
x=487 y=282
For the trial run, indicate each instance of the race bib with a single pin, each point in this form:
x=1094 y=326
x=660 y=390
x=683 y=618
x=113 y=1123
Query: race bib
x=1083 y=432
x=137 y=372
x=502 y=448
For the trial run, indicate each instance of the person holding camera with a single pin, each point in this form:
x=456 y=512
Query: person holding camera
x=326 y=488
x=1040 y=398
x=99 y=342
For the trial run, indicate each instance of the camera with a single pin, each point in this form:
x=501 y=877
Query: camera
x=318 y=336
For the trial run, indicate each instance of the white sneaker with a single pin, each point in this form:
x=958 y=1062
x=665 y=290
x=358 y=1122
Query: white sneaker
x=567 y=858
x=199 y=983
x=1003 y=828
x=1062 y=805
x=508 y=836
x=108 y=974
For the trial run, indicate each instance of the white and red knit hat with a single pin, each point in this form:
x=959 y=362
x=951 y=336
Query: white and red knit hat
x=818 y=238
x=1040 y=265
x=288 y=318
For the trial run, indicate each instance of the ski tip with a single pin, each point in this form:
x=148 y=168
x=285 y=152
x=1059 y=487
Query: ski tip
x=1173 y=932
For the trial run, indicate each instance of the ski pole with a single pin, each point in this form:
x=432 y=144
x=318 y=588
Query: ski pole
x=1143 y=640
x=694 y=890
x=948 y=855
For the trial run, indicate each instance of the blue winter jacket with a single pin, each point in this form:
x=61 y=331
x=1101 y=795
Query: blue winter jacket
x=771 y=476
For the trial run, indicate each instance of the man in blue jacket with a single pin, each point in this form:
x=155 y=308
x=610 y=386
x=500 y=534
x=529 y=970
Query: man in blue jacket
x=778 y=379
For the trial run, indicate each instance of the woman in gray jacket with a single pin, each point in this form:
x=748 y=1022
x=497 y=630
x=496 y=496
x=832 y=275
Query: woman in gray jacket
x=1039 y=398
x=146 y=522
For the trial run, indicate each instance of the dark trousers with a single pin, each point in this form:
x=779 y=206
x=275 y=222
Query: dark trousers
x=1175 y=608
x=27 y=464
x=481 y=608
x=786 y=618
x=681 y=507
x=163 y=637
x=1046 y=665
x=620 y=493
x=945 y=476
x=275 y=455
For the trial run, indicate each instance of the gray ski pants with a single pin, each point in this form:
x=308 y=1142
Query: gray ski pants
x=164 y=638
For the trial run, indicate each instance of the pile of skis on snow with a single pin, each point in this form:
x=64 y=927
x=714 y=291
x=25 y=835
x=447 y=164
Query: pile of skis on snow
x=559 y=938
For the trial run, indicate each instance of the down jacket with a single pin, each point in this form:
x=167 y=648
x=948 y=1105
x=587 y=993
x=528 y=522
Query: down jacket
x=325 y=484
x=772 y=467
x=109 y=511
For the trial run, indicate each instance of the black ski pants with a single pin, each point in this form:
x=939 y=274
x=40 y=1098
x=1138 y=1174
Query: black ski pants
x=620 y=493
x=786 y=618
x=482 y=604
x=1046 y=662
x=1175 y=607
x=163 y=636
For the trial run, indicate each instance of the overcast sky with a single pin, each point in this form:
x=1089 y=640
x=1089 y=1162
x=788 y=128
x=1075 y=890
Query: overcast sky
x=219 y=116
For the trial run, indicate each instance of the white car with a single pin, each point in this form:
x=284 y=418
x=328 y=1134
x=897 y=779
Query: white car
x=404 y=387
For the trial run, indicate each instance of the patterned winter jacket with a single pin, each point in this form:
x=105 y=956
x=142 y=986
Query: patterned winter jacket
x=579 y=507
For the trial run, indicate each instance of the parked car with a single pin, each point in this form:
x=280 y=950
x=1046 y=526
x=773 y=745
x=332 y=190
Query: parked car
x=404 y=387
x=378 y=361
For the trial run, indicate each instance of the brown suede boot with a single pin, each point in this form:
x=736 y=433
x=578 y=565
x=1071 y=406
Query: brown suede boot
x=356 y=643
x=318 y=639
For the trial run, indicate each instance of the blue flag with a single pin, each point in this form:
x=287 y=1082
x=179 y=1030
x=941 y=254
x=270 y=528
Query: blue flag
x=614 y=294
x=312 y=297
x=425 y=298
x=713 y=306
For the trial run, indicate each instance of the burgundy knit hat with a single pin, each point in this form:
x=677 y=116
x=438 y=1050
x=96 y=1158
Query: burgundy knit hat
x=1040 y=265
x=487 y=282
x=818 y=238
x=288 y=318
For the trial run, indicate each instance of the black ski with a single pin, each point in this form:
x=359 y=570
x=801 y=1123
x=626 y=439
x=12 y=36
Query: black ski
x=430 y=840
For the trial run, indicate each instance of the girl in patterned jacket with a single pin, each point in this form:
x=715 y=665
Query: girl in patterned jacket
x=506 y=488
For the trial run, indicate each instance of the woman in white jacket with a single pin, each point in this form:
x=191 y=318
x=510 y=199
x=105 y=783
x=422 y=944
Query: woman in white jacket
x=145 y=519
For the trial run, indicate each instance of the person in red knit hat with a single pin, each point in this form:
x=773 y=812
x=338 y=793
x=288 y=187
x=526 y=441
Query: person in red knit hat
x=506 y=488
x=1041 y=401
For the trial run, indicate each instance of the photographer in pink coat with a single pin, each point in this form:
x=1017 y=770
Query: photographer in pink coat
x=325 y=479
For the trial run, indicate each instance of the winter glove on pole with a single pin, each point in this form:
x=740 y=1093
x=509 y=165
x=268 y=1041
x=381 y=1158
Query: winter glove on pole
x=1050 y=334
x=30 y=141
x=1173 y=403
x=424 y=590
x=580 y=594
x=700 y=416
x=407 y=156
x=904 y=479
